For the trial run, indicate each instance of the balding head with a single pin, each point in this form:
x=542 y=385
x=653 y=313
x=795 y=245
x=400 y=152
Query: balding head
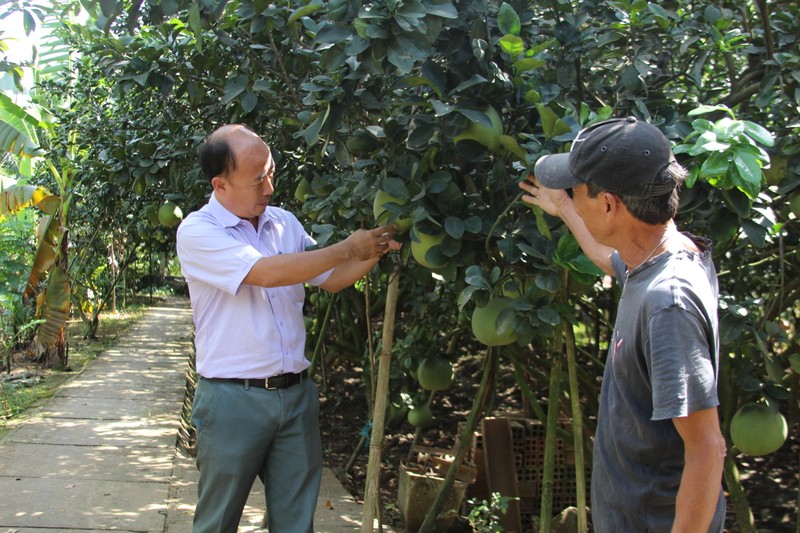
x=218 y=154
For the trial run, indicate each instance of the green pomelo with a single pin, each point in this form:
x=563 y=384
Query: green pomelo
x=140 y=185
x=484 y=323
x=421 y=243
x=303 y=190
x=169 y=214
x=420 y=416
x=757 y=429
x=489 y=137
x=384 y=216
x=435 y=373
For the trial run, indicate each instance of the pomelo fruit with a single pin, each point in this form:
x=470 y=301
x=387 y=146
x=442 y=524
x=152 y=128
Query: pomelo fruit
x=302 y=190
x=169 y=214
x=757 y=429
x=488 y=137
x=420 y=416
x=421 y=243
x=484 y=323
x=384 y=216
x=435 y=373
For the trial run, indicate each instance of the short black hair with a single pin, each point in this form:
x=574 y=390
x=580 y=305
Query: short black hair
x=655 y=209
x=216 y=157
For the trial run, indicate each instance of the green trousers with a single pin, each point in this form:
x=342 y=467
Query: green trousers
x=244 y=433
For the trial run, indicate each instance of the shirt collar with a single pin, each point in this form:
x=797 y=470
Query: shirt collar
x=228 y=219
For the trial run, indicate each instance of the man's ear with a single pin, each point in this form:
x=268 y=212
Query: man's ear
x=219 y=183
x=612 y=201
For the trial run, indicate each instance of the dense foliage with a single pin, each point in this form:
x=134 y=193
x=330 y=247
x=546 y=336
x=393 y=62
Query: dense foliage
x=445 y=105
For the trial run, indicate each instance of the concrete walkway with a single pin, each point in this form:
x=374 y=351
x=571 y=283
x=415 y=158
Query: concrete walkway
x=102 y=455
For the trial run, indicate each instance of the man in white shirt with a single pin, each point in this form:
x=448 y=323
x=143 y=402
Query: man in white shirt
x=255 y=410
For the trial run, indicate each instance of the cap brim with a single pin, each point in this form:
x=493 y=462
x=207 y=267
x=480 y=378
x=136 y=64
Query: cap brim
x=553 y=172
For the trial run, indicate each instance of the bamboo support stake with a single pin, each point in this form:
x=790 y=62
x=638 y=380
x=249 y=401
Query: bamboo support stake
x=371 y=489
x=546 y=510
x=577 y=428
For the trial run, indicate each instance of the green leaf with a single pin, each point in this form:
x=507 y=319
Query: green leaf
x=399 y=57
x=395 y=187
x=305 y=11
x=441 y=109
x=476 y=79
x=509 y=143
x=28 y=22
x=333 y=34
x=541 y=223
x=584 y=265
x=466 y=295
x=755 y=232
x=727 y=129
x=477 y=116
x=703 y=109
x=794 y=362
x=508 y=20
x=438 y=8
x=748 y=167
x=528 y=63
x=716 y=165
x=552 y=125
x=473 y=224
x=197 y=25
x=18 y=129
x=249 y=102
x=758 y=133
x=474 y=275
x=233 y=88
x=454 y=227
x=512 y=45
x=311 y=133
x=548 y=315
x=435 y=76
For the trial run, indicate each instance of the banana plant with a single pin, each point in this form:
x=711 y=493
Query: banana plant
x=48 y=281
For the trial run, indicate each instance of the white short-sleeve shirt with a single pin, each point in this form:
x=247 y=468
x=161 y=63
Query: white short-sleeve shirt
x=243 y=331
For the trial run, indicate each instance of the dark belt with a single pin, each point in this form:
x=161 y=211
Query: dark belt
x=281 y=381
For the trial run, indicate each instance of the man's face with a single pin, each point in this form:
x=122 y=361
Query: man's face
x=593 y=212
x=250 y=186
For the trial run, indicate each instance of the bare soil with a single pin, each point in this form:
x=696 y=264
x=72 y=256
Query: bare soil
x=771 y=482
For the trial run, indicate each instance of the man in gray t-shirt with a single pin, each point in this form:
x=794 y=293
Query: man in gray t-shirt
x=658 y=449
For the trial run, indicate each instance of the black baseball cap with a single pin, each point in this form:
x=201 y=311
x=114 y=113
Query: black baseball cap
x=623 y=155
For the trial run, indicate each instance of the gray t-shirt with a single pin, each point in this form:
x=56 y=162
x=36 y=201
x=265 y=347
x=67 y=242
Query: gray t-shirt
x=662 y=363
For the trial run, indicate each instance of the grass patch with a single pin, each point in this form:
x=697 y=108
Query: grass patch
x=37 y=385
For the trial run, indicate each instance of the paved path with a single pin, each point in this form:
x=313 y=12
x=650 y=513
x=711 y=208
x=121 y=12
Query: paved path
x=102 y=455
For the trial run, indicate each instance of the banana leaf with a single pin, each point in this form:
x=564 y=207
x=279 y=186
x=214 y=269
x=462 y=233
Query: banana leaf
x=49 y=234
x=53 y=306
x=18 y=130
x=18 y=197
